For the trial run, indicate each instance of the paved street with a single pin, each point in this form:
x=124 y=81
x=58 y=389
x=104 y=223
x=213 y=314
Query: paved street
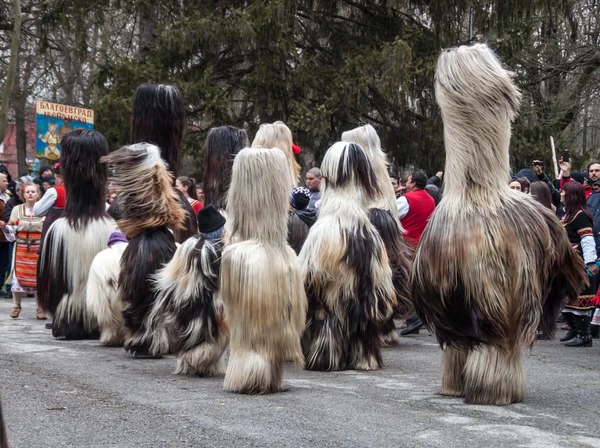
x=78 y=394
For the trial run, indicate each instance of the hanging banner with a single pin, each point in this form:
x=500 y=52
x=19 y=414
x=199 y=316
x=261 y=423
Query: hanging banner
x=52 y=122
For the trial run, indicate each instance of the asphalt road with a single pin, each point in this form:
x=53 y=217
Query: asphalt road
x=78 y=394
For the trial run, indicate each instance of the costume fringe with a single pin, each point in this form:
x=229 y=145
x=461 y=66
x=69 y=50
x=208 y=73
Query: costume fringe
x=144 y=255
x=346 y=270
x=188 y=310
x=103 y=298
x=266 y=309
x=400 y=256
x=261 y=285
x=65 y=264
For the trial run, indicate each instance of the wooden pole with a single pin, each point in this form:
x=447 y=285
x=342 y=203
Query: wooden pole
x=554 y=157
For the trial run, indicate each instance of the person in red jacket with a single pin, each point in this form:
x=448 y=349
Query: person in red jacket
x=415 y=208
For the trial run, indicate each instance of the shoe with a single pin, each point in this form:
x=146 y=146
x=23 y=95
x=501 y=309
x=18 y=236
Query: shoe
x=412 y=327
x=572 y=333
x=40 y=315
x=584 y=338
x=48 y=326
x=15 y=311
x=595 y=331
x=9 y=295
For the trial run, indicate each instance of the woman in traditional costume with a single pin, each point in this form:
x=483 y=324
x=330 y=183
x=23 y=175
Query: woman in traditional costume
x=578 y=223
x=28 y=229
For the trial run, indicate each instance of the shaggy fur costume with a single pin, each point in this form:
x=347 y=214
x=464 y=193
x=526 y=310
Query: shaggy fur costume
x=158 y=117
x=73 y=241
x=149 y=207
x=278 y=135
x=261 y=285
x=492 y=264
x=383 y=213
x=188 y=312
x=346 y=269
x=222 y=145
x=102 y=294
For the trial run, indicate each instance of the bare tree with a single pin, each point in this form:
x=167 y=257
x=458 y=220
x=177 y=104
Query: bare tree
x=12 y=68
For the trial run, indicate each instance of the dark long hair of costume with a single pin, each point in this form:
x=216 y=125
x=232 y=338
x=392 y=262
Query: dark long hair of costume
x=188 y=315
x=346 y=269
x=158 y=117
x=222 y=145
x=73 y=241
x=383 y=213
x=149 y=207
x=261 y=285
x=492 y=264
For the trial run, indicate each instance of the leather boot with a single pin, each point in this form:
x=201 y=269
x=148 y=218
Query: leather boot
x=584 y=338
x=572 y=332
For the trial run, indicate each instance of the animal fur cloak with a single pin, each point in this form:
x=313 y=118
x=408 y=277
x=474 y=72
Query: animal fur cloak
x=492 y=264
x=383 y=213
x=103 y=298
x=261 y=285
x=149 y=207
x=188 y=315
x=73 y=241
x=346 y=269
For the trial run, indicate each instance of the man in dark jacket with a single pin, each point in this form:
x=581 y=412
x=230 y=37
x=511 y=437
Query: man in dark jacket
x=538 y=175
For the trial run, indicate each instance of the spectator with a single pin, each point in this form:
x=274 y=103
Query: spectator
x=541 y=192
x=514 y=184
x=436 y=180
x=28 y=229
x=301 y=218
x=525 y=184
x=16 y=200
x=188 y=187
x=395 y=180
x=538 y=172
x=578 y=224
x=11 y=184
x=415 y=208
x=200 y=192
x=4 y=246
x=313 y=182
x=434 y=192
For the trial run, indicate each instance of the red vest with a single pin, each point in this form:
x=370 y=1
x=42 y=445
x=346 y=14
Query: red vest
x=61 y=197
x=420 y=208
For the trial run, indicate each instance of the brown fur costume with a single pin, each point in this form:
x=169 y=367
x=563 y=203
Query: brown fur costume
x=261 y=285
x=149 y=207
x=492 y=263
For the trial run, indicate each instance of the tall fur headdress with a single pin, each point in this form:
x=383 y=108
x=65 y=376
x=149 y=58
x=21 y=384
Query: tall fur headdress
x=222 y=145
x=147 y=197
x=158 y=117
x=84 y=177
x=367 y=138
x=253 y=210
x=477 y=96
x=346 y=169
x=278 y=135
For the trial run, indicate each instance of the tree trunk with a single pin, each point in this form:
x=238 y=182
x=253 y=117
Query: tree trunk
x=147 y=37
x=12 y=68
x=20 y=113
